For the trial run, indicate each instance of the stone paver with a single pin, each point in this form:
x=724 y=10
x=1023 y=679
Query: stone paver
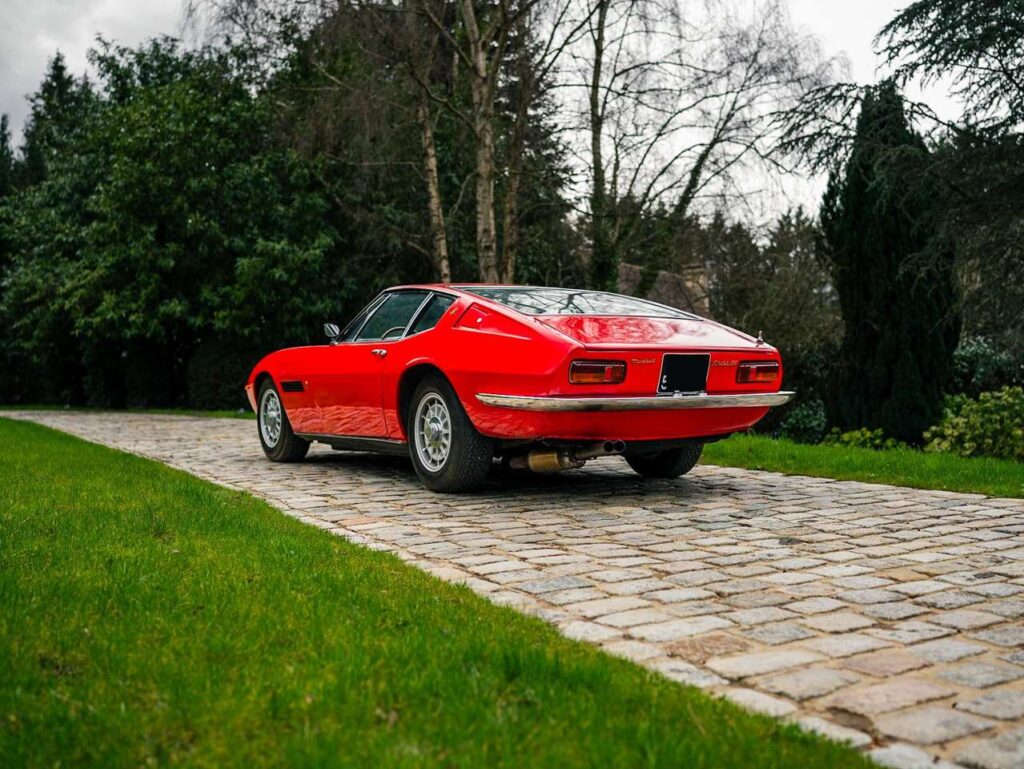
x=760 y=703
x=930 y=725
x=1005 y=751
x=907 y=757
x=889 y=696
x=745 y=665
x=1007 y=705
x=834 y=731
x=946 y=650
x=884 y=664
x=883 y=616
x=982 y=675
x=808 y=683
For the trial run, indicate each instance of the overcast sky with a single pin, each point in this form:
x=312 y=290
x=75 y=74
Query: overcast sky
x=32 y=30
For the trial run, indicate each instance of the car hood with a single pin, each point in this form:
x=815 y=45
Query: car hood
x=608 y=332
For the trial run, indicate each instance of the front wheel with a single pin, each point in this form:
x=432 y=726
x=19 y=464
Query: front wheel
x=446 y=450
x=277 y=438
x=670 y=463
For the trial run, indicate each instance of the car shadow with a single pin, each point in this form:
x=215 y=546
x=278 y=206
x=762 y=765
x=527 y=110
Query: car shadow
x=602 y=477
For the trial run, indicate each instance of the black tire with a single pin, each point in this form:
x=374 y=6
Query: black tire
x=289 y=447
x=670 y=463
x=470 y=454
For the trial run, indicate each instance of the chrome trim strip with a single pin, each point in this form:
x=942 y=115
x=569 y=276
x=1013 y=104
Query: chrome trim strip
x=656 y=403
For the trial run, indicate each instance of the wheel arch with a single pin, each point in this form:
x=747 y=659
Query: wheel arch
x=260 y=378
x=407 y=385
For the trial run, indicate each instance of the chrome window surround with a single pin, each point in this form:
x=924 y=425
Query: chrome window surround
x=375 y=305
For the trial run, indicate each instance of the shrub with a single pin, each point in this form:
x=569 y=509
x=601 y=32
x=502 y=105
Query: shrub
x=808 y=371
x=805 y=422
x=216 y=375
x=991 y=425
x=863 y=439
x=981 y=366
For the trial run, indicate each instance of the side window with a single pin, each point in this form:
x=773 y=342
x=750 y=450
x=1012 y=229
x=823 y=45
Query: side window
x=391 y=317
x=353 y=328
x=432 y=313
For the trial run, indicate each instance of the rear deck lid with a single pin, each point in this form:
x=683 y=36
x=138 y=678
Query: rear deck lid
x=618 y=332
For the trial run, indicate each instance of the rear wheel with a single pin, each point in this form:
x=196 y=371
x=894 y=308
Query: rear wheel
x=670 y=463
x=446 y=450
x=279 y=442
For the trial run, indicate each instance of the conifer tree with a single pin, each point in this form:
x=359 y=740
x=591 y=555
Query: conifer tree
x=900 y=323
x=6 y=158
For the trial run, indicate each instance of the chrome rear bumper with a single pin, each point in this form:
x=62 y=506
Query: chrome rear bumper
x=655 y=403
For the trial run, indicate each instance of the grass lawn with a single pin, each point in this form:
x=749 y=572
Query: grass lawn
x=899 y=467
x=150 y=618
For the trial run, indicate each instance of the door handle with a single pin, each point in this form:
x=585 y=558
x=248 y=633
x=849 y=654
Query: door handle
x=380 y=352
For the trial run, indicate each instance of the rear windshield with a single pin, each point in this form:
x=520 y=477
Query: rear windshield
x=568 y=301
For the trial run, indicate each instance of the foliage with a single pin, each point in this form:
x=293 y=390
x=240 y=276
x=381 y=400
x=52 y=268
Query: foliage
x=973 y=180
x=862 y=438
x=781 y=288
x=204 y=628
x=978 y=45
x=170 y=216
x=805 y=422
x=991 y=425
x=6 y=158
x=979 y=365
x=900 y=328
x=651 y=74
x=54 y=119
x=897 y=466
x=215 y=372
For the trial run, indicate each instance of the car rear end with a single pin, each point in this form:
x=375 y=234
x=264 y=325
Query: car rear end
x=673 y=377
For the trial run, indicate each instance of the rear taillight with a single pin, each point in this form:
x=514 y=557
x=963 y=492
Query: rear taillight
x=597 y=372
x=754 y=372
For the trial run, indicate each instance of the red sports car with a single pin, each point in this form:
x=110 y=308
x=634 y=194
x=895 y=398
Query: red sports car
x=545 y=378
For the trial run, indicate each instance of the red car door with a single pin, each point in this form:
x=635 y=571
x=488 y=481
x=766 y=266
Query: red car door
x=347 y=387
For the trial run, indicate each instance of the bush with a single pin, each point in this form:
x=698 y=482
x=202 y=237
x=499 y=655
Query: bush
x=981 y=366
x=991 y=425
x=808 y=371
x=805 y=422
x=863 y=439
x=216 y=375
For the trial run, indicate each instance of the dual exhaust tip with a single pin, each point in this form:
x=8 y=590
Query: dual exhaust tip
x=554 y=460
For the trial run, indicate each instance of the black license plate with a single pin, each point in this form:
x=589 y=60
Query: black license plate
x=684 y=373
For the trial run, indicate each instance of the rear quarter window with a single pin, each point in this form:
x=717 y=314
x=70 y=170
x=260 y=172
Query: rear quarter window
x=432 y=313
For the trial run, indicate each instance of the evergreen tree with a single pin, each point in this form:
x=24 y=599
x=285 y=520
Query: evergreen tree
x=6 y=158
x=57 y=111
x=898 y=308
x=168 y=224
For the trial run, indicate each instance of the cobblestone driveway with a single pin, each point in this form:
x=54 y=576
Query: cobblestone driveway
x=888 y=617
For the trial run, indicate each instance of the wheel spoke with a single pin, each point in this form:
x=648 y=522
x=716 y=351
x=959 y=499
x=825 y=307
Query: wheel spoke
x=270 y=418
x=432 y=437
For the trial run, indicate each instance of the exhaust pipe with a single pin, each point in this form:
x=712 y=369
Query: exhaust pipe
x=553 y=460
x=596 y=450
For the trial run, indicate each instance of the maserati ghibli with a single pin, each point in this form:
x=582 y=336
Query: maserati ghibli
x=546 y=379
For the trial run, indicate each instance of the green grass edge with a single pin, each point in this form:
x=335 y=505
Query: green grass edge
x=154 y=618
x=895 y=467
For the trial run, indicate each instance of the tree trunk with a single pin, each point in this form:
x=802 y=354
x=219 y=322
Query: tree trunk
x=482 y=90
x=439 y=237
x=603 y=267
x=514 y=170
x=510 y=223
x=486 y=246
